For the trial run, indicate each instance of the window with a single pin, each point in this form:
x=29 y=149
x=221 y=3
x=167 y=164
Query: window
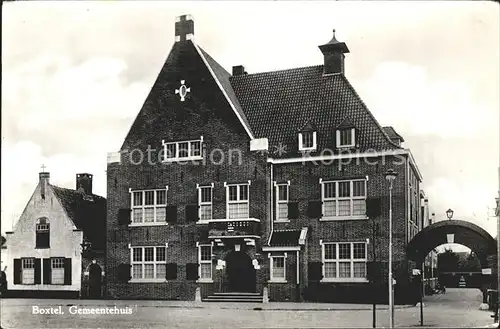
x=28 y=271
x=42 y=239
x=149 y=206
x=342 y=199
x=282 y=202
x=307 y=140
x=205 y=261
x=57 y=270
x=278 y=272
x=344 y=261
x=346 y=137
x=186 y=150
x=148 y=263
x=237 y=201
x=205 y=202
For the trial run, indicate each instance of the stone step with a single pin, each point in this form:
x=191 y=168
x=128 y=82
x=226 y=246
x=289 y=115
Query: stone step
x=236 y=294
x=235 y=300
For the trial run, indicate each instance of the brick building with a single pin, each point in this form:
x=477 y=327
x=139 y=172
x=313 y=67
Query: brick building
x=57 y=246
x=256 y=184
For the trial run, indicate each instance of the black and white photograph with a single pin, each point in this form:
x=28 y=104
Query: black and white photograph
x=250 y=164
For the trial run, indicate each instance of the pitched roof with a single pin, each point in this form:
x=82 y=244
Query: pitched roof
x=392 y=133
x=278 y=103
x=285 y=238
x=87 y=212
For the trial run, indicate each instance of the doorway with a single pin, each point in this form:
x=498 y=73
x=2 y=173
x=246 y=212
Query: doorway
x=95 y=280
x=240 y=272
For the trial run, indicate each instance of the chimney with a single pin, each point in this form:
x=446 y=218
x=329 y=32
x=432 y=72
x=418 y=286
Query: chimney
x=84 y=181
x=239 y=70
x=184 y=28
x=333 y=53
x=44 y=181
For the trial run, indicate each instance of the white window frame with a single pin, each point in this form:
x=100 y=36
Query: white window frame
x=177 y=158
x=301 y=142
x=353 y=138
x=143 y=262
x=59 y=261
x=238 y=201
x=201 y=204
x=143 y=206
x=337 y=260
x=336 y=199
x=281 y=202
x=200 y=262
x=271 y=268
x=24 y=262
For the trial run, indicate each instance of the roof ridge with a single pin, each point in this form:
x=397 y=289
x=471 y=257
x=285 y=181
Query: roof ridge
x=275 y=71
x=74 y=191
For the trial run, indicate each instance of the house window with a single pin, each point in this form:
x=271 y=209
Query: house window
x=42 y=239
x=237 y=201
x=205 y=202
x=186 y=150
x=28 y=271
x=346 y=137
x=205 y=262
x=307 y=141
x=344 y=199
x=148 y=263
x=57 y=270
x=344 y=261
x=282 y=202
x=149 y=206
x=278 y=272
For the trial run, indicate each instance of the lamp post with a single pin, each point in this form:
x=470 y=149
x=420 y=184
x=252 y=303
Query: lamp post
x=449 y=214
x=390 y=175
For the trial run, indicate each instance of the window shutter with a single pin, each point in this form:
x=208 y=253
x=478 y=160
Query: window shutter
x=171 y=271
x=124 y=272
x=202 y=235
x=315 y=271
x=191 y=213
x=17 y=271
x=192 y=271
x=373 y=272
x=124 y=216
x=171 y=214
x=47 y=271
x=38 y=270
x=314 y=209
x=67 y=271
x=293 y=210
x=373 y=209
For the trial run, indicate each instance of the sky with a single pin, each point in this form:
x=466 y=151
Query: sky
x=75 y=75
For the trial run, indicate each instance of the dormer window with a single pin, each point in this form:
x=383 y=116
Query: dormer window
x=307 y=138
x=182 y=151
x=346 y=137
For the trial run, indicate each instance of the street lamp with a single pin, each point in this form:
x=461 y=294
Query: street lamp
x=449 y=214
x=390 y=175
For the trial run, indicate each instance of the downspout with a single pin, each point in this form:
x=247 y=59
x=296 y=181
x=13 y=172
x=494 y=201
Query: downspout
x=298 y=271
x=271 y=205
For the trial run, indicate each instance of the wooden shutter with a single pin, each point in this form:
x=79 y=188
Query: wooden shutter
x=373 y=207
x=124 y=272
x=38 y=271
x=191 y=213
x=47 y=271
x=315 y=209
x=171 y=214
x=293 y=210
x=171 y=271
x=192 y=271
x=124 y=216
x=67 y=271
x=17 y=271
x=373 y=272
x=315 y=271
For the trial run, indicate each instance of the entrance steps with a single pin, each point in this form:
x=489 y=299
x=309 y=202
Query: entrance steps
x=234 y=297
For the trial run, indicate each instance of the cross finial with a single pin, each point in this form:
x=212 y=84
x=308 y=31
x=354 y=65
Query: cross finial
x=184 y=28
x=43 y=168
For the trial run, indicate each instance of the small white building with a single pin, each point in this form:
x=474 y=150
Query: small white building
x=57 y=242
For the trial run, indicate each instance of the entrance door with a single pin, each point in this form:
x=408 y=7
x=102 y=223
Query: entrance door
x=95 y=280
x=240 y=272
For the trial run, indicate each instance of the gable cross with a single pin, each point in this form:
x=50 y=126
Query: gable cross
x=184 y=28
x=43 y=168
x=183 y=90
